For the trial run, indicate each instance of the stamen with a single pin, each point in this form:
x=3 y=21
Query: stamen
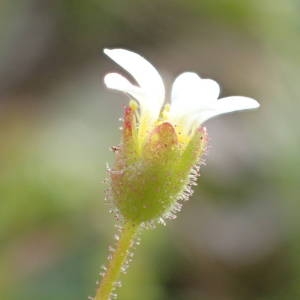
x=133 y=105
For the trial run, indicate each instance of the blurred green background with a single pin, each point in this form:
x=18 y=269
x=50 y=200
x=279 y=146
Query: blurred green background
x=239 y=235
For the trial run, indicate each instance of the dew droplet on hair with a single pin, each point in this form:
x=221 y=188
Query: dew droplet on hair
x=109 y=257
x=113 y=296
x=102 y=274
x=118 y=284
x=107 y=167
x=162 y=221
x=118 y=227
x=116 y=172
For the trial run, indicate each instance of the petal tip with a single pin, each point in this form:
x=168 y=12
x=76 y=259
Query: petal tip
x=116 y=81
x=107 y=80
x=250 y=103
x=107 y=51
x=256 y=104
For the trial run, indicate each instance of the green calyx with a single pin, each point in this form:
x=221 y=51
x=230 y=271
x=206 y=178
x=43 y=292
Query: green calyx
x=146 y=186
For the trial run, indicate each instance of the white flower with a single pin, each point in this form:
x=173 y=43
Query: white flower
x=193 y=100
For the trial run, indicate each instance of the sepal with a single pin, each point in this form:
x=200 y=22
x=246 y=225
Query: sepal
x=145 y=186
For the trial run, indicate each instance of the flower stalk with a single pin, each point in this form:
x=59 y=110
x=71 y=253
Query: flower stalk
x=118 y=261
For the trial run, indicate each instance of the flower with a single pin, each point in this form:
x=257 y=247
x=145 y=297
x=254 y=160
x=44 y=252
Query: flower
x=193 y=100
x=162 y=144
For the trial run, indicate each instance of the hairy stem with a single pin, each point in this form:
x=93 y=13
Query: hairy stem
x=118 y=260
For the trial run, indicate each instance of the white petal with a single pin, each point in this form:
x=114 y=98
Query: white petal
x=227 y=105
x=235 y=103
x=120 y=83
x=144 y=73
x=190 y=93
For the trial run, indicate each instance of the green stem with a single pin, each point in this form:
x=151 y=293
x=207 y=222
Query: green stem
x=124 y=242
